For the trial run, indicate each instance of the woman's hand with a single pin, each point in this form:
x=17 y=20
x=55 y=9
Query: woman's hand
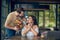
x=34 y=30
x=28 y=27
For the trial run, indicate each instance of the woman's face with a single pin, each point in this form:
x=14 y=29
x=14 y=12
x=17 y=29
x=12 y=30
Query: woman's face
x=30 y=20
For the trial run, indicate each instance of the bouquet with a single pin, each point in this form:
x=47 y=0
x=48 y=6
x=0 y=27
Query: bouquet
x=18 y=23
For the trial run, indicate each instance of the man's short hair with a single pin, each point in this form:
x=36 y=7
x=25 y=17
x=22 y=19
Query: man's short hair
x=19 y=10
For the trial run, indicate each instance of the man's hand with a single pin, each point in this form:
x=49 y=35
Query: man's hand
x=15 y=28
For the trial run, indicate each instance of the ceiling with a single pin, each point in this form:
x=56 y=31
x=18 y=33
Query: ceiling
x=38 y=1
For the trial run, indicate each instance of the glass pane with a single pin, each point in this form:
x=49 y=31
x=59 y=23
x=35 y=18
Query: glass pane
x=40 y=18
x=58 y=20
x=47 y=18
x=4 y=13
x=31 y=13
x=50 y=17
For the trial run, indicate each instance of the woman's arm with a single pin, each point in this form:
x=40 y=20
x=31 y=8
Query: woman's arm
x=25 y=30
x=35 y=31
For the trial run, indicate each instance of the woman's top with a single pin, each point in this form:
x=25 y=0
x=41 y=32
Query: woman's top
x=30 y=33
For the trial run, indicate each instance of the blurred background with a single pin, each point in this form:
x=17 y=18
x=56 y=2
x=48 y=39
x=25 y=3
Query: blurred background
x=46 y=12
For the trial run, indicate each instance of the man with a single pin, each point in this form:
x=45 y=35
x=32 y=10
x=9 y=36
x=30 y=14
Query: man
x=10 y=24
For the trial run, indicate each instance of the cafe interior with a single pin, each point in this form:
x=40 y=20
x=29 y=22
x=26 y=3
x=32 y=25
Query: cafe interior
x=46 y=12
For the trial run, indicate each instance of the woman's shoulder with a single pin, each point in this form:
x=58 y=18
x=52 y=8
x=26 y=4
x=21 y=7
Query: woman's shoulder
x=35 y=26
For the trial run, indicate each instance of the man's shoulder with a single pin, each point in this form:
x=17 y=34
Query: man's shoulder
x=11 y=13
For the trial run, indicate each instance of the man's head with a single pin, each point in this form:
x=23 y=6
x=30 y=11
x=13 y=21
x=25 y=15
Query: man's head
x=20 y=12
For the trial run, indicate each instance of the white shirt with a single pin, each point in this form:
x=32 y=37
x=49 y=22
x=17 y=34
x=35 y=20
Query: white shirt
x=29 y=33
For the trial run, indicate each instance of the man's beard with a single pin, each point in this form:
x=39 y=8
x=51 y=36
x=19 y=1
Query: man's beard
x=20 y=16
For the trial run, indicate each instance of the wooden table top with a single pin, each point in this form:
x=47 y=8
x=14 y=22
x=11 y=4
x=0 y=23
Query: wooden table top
x=29 y=38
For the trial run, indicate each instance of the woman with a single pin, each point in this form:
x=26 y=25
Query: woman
x=31 y=28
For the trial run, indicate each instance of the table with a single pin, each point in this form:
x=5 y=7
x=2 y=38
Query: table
x=30 y=38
